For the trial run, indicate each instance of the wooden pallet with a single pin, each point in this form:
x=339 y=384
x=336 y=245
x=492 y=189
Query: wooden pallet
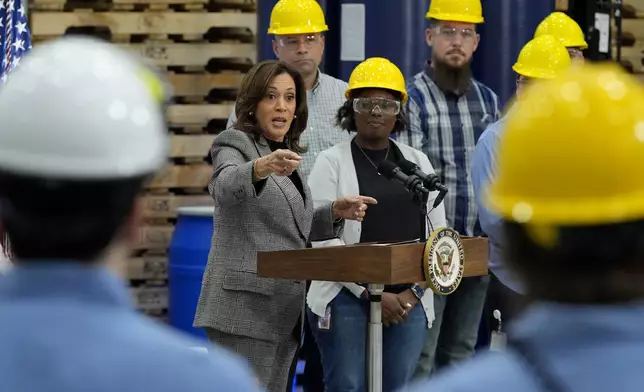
x=141 y=23
x=633 y=9
x=203 y=85
x=169 y=54
x=164 y=205
x=632 y=58
x=150 y=298
x=198 y=115
x=174 y=176
x=148 y=268
x=154 y=239
x=68 y=5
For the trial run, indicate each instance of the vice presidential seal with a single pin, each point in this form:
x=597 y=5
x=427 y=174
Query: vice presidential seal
x=443 y=261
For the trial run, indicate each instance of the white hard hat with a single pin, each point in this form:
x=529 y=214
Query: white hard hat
x=80 y=108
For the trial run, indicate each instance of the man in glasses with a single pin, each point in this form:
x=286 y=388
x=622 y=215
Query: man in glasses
x=542 y=58
x=448 y=111
x=298 y=27
x=564 y=28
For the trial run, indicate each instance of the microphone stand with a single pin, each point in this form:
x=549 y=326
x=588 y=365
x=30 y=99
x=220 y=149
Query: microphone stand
x=374 y=333
x=422 y=198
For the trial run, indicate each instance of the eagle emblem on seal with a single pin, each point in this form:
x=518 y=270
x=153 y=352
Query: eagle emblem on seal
x=445 y=253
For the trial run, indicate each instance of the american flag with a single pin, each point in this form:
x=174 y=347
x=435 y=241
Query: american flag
x=15 y=39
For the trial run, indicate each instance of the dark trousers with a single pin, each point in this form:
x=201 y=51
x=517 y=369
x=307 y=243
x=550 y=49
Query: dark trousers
x=505 y=300
x=454 y=333
x=313 y=379
x=344 y=344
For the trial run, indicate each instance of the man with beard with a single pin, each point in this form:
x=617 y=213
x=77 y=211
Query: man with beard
x=448 y=111
x=297 y=26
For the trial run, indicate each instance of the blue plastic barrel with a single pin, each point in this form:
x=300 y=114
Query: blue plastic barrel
x=188 y=258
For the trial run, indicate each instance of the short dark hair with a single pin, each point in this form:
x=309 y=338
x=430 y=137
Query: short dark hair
x=345 y=118
x=254 y=88
x=594 y=264
x=58 y=219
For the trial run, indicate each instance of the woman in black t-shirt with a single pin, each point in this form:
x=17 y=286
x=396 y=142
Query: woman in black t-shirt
x=338 y=312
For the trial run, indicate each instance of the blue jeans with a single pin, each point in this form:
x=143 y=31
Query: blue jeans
x=454 y=332
x=343 y=347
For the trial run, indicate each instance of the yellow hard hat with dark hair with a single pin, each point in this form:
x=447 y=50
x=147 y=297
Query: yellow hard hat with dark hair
x=542 y=58
x=572 y=150
x=377 y=72
x=564 y=28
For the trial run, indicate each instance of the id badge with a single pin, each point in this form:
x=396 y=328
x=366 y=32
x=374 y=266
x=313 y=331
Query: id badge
x=498 y=341
x=325 y=322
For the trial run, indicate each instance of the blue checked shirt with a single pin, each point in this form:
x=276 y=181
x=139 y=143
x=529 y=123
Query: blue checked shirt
x=446 y=127
x=483 y=171
x=324 y=100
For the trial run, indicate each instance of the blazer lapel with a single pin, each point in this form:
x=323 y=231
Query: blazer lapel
x=297 y=203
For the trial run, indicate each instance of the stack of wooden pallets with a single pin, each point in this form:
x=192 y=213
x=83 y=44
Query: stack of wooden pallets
x=632 y=37
x=205 y=47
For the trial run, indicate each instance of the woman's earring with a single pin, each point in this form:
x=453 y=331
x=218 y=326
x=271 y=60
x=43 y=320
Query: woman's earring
x=250 y=113
x=295 y=116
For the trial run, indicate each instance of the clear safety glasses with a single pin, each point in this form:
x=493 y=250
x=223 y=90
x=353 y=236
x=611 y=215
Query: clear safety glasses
x=387 y=107
x=294 y=42
x=452 y=32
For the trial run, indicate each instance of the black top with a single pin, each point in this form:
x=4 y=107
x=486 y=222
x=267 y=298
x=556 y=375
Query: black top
x=396 y=216
x=294 y=177
x=297 y=181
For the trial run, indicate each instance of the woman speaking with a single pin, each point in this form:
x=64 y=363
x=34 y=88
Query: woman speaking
x=262 y=204
x=338 y=312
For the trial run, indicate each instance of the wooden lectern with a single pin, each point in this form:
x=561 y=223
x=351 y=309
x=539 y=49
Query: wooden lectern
x=374 y=264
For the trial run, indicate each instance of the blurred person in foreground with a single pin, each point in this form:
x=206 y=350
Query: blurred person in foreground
x=262 y=203
x=542 y=58
x=448 y=111
x=572 y=201
x=338 y=312
x=564 y=28
x=78 y=140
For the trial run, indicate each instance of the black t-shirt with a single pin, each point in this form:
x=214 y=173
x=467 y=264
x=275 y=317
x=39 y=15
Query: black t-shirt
x=396 y=217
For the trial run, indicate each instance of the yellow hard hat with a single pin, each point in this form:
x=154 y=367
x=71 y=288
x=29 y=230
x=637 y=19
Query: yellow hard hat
x=466 y=11
x=563 y=27
x=377 y=72
x=543 y=58
x=297 y=17
x=572 y=150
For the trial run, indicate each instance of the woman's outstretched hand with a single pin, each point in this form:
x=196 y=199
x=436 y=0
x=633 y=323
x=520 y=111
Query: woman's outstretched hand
x=352 y=207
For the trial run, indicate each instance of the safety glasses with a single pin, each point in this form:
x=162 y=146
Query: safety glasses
x=387 y=107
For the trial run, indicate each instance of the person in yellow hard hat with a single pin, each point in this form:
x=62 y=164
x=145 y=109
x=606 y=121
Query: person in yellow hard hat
x=298 y=28
x=448 y=111
x=542 y=58
x=567 y=31
x=571 y=199
x=338 y=312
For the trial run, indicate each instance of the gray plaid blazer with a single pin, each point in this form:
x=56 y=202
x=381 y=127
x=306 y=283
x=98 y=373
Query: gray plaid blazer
x=250 y=218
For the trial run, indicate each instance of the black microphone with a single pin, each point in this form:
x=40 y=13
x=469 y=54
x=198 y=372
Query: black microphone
x=392 y=172
x=430 y=181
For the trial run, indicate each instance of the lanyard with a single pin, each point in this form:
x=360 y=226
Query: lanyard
x=537 y=367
